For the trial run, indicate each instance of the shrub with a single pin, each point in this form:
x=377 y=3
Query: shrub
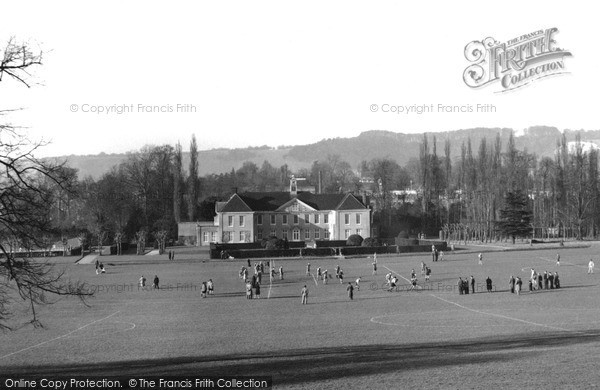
x=354 y=240
x=370 y=241
x=275 y=243
x=403 y=234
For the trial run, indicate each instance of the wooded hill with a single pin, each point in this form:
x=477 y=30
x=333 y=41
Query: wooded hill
x=369 y=145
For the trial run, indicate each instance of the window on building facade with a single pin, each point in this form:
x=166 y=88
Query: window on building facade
x=357 y=218
x=359 y=232
x=316 y=218
x=347 y=219
x=326 y=234
x=230 y=220
x=346 y=233
x=259 y=219
x=284 y=218
x=307 y=234
x=295 y=207
x=285 y=235
x=259 y=235
x=272 y=219
x=307 y=218
x=317 y=234
x=273 y=233
x=205 y=236
x=296 y=219
x=241 y=220
x=214 y=236
x=325 y=218
x=242 y=236
x=296 y=235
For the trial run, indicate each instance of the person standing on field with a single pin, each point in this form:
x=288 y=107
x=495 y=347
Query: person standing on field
x=304 y=295
x=591 y=267
x=350 y=290
x=248 y=290
x=257 y=291
x=518 y=285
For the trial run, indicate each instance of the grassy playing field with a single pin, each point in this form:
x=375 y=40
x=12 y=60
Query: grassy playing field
x=432 y=337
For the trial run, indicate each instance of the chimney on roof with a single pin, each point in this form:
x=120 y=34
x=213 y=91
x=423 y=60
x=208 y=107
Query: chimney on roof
x=320 y=183
x=293 y=186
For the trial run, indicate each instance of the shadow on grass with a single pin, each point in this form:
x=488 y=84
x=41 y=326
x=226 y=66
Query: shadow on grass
x=298 y=366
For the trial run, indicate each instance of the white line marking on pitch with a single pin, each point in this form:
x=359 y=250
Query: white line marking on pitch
x=270 y=285
x=315 y=279
x=500 y=315
x=59 y=337
x=563 y=262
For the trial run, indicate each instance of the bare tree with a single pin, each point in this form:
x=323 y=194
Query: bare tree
x=24 y=212
x=140 y=240
x=82 y=238
x=193 y=182
x=119 y=236
x=161 y=239
x=100 y=238
x=17 y=61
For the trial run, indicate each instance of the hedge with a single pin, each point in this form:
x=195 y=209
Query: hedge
x=365 y=250
x=417 y=248
x=241 y=245
x=439 y=245
x=330 y=244
x=406 y=241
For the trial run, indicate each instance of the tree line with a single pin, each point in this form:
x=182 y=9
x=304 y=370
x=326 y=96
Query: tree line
x=142 y=199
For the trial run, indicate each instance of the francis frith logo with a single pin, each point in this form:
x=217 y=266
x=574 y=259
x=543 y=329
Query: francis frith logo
x=516 y=62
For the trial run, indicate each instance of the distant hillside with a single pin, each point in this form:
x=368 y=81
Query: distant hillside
x=540 y=140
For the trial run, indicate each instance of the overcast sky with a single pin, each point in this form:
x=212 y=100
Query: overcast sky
x=280 y=73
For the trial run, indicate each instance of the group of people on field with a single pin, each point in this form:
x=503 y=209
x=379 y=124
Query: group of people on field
x=537 y=281
x=100 y=268
x=155 y=282
x=436 y=255
x=463 y=285
x=339 y=274
x=253 y=284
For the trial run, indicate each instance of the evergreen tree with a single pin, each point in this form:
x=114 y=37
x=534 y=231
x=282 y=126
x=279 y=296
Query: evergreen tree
x=515 y=215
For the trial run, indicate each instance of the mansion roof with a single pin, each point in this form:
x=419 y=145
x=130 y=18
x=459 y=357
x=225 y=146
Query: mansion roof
x=274 y=201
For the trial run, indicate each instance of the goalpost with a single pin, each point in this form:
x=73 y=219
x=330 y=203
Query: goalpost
x=271 y=268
